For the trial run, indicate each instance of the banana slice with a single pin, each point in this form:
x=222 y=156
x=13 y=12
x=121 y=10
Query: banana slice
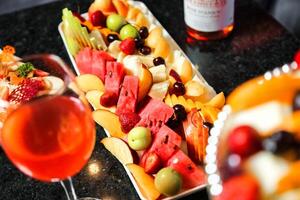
x=56 y=84
x=114 y=49
x=159 y=73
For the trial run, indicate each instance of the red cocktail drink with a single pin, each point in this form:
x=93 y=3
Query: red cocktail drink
x=51 y=138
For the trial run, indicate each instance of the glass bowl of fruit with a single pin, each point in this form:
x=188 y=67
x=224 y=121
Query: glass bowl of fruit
x=253 y=149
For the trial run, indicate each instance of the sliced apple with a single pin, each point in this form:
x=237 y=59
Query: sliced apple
x=110 y=122
x=162 y=48
x=159 y=90
x=145 y=182
x=217 y=101
x=183 y=67
x=93 y=98
x=87 y=82
x=154 y=35
x=119 y=149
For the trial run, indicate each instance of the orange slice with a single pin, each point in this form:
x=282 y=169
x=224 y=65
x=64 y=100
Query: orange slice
x=258 y=90
x=291 y=180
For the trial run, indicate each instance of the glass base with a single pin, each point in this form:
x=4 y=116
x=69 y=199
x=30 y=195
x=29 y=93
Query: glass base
x=70 y=191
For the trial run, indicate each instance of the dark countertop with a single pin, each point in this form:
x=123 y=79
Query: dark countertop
x=257 y=44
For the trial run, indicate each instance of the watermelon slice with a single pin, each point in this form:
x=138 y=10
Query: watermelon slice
x=165 y=143
x=128 y=95
x=93 y=62
x=114 y=77
x=154 y=115
x=192 y=175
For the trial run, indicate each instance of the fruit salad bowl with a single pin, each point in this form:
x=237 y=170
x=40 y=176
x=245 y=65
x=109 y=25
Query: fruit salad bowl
x=253 y=148
x=152 y=102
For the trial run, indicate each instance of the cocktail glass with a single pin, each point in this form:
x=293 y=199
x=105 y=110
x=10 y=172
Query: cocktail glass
x=51 y=137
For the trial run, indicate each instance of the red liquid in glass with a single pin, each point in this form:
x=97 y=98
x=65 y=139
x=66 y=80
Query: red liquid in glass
x=49 y=139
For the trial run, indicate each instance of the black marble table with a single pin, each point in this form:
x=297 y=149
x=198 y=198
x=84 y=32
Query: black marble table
x=257 y=44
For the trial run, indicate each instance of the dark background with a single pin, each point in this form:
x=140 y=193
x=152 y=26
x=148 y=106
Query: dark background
x=257 y=44
x=287 y=12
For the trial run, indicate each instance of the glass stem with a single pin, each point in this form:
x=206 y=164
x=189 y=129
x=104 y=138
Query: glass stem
x=69 y=188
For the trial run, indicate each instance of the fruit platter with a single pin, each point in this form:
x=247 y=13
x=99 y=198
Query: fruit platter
x=253 y=150
x=23 y=81
x=152 y=102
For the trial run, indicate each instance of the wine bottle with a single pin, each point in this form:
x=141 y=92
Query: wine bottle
x=209 y=19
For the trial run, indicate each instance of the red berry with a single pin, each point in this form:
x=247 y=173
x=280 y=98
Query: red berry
x=40 y=73
x=27 y=90
x=244 y=141
x=178 y=89
x=241 y=187
x=297 y=58
x=152 y=163
x=97 y=18
x=128 y=120
x=109 y=99
x=128 y=46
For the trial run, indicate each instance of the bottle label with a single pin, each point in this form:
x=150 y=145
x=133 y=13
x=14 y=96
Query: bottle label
x=208 y=15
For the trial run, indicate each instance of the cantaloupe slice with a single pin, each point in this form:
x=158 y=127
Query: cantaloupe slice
x=119 y=149
x=144 y=181
x=110 y=122
x=87 y=82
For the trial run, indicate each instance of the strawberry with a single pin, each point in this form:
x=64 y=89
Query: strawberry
x=128 y=120
x=297 y=58
x=27 y=90
x=241 y=187
x=109 y=99
x=97 y=18
x=128 y=46
x=244 y=141
x=152 y=163
x=40 y=73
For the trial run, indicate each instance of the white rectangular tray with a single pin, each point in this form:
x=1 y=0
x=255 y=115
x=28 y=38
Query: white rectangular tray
x=174 y=46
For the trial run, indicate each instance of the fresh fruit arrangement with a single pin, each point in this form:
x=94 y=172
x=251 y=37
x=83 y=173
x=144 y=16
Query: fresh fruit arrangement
x=259 y=147
x=21 y=82
x=145 y=93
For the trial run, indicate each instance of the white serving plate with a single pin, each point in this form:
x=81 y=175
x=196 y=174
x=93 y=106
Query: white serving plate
x=174 y=46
